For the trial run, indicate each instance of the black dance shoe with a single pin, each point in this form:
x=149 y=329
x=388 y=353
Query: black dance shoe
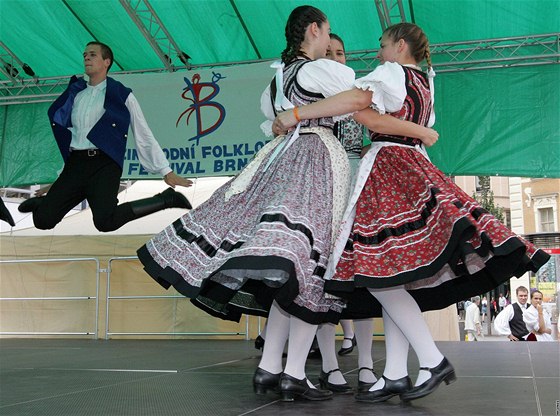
x=363 y=385
x=30 y=205
x=290 y=387
x=390 y=389
x=264 y=381
x=345 y=351
x=259 y=343
x=443 y=372
x=335 y=388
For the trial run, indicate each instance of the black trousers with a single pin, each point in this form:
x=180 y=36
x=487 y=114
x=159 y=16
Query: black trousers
x=93 y=178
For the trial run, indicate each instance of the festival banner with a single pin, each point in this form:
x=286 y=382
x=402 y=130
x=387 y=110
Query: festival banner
x=206 y=121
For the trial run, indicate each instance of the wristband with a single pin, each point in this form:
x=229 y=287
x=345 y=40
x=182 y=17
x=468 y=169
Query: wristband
x=296 y=114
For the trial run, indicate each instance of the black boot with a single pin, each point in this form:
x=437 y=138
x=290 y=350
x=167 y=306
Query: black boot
x=30 y=205
x=5 y=214
x=169 y=198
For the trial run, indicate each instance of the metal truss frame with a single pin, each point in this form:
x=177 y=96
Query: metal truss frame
x=478 y=54
x=446 y=57
x=10 y=64
x=144 y=16
x=390 y=12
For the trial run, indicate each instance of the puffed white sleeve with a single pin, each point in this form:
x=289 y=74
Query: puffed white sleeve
x=501 y=322
x=387 y=83
x=326 y=77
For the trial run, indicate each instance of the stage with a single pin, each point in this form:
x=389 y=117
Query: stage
x=77 y=377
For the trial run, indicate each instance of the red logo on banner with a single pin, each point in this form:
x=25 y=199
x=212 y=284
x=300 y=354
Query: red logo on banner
x=200 y=102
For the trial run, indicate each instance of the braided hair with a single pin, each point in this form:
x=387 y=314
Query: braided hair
x=415 y=37
x=298 y=21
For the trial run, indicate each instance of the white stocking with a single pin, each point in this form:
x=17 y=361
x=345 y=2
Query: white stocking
x=277 y=327
x=300 y=340
x=326 y=340
x=401 y=307
x=348 y=332
x=396 y=350
x=363 y=329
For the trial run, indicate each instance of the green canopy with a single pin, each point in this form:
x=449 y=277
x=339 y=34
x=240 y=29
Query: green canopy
x=502 y=121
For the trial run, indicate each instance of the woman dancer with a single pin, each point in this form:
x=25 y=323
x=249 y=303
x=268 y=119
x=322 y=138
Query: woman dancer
x=410 y=236
x=261 y=242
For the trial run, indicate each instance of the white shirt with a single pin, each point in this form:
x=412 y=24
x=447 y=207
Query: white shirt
x=502 y=302
x=472 y=317
x=531 y=319
x=88 y=109
x=501 y=323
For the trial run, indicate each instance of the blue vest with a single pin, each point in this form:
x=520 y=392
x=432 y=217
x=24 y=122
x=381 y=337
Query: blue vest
x=109 y=134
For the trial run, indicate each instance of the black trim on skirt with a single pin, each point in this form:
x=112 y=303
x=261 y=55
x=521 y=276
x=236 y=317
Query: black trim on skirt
x=509 y=260
x=263 y=293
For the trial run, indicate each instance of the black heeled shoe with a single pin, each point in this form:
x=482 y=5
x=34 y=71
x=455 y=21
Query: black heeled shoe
x=363 y=385
x=259 y=343
x=290 y=387
x=264 y=381
x=345 y=351
x=335 y=388
x=443 y=372
x=390 y=389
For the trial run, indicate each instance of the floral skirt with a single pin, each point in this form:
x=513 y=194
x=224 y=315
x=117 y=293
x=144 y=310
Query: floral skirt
x=264 y=236
x=413 y=227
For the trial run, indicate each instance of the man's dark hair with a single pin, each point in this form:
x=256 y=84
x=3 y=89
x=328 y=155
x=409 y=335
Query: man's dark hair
x=106 y=52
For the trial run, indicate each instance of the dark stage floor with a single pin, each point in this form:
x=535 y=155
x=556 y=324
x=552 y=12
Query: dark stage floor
x=213 y=377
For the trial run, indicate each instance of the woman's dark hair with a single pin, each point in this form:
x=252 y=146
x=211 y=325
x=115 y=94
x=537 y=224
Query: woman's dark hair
x=106 y=52
x=338 y=38
x=414 y=36
x=536 y=291
x=298 y=21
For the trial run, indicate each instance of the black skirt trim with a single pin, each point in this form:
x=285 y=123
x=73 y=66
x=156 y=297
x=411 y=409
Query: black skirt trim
x=509 y=260
x=215 y=298
x=408 y=227
x=228 y=246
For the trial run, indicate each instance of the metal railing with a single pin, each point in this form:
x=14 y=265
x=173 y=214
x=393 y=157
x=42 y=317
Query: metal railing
x=53 y=298
x=151 y=297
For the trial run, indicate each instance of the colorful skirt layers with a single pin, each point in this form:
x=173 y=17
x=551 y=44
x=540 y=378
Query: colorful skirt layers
x=264 y=236
x=409 y=225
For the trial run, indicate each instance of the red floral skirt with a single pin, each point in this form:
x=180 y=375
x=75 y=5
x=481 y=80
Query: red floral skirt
x=415 y=227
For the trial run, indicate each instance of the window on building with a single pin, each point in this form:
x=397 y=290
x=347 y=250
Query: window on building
x=507 y=218
x=546 y=220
